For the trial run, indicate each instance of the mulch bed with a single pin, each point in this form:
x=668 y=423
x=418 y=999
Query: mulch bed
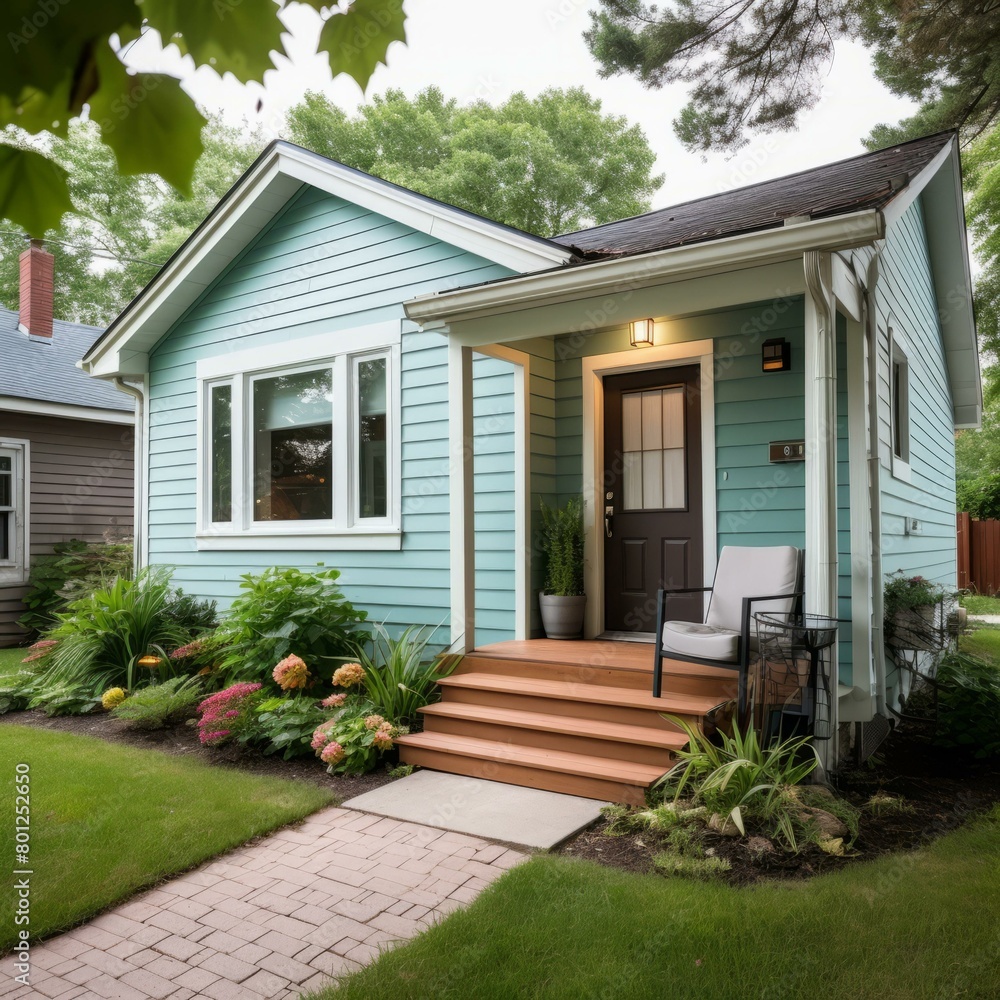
x=182 y=741
x=942 y=790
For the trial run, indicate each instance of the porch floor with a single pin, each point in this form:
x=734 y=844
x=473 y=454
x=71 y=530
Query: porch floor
x=568 y=716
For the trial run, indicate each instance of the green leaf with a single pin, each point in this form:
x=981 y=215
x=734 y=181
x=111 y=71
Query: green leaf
x=357 y=40
x=33 y=190
x=149 y=122
x=231 y=36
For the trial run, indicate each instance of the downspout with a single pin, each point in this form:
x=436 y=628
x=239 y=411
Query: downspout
x=139 y=458
x=874 y=484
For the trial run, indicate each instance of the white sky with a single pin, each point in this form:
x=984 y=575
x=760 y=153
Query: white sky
x=489 y=51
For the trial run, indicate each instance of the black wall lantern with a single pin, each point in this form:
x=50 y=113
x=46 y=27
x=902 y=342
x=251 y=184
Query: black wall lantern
x=776 y=355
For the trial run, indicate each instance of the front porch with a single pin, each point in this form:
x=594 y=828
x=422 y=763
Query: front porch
x=573 y=717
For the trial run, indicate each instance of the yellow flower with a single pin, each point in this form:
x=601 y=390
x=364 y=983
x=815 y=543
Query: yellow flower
x=112 y=698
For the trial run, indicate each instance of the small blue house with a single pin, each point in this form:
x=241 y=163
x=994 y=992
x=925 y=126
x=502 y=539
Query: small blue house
x=338 y=370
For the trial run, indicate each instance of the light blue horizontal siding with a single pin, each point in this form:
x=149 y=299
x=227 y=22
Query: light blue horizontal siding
x=325 y=266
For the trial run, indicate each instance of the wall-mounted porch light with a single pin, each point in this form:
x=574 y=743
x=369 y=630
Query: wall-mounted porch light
x=775 y=355
x=640 y=333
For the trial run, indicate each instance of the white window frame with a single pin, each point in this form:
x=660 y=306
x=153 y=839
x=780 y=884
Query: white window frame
x=15 y=571
x=346 y=530
x=899 y=408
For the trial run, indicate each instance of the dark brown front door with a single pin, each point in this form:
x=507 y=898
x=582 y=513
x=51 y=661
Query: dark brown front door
x=652 y=495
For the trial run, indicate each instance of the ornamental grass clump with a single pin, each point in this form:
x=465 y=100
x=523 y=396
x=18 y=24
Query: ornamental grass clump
x=227 y=714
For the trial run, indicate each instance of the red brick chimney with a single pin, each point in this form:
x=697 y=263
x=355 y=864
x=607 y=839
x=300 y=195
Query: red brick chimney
x=37 y=269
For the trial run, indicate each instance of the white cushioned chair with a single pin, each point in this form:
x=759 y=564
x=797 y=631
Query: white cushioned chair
x=748 y=580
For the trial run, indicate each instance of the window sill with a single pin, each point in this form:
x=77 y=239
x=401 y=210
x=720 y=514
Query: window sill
x=13 y=576
x=385 y=540
x=900 y=469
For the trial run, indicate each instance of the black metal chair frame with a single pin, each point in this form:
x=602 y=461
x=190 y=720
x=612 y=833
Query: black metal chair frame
x=742 y=663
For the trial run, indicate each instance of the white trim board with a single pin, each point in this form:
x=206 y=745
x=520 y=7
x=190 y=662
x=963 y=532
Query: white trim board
x=16 y=574
x=93 y=414
x=278 y=174
x=595 y=367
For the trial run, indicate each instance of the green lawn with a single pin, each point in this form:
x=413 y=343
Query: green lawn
x=984 y=642
x=906 y=927
x=978 y=604
x=10 y=660
x=107 y=820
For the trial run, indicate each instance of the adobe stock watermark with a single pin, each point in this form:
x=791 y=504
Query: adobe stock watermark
x=34 y=22
x=22 y=873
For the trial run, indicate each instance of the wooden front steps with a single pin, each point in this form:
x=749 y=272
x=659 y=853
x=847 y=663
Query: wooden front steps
x=574 y=717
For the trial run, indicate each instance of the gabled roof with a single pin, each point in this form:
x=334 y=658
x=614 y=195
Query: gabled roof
x=275 y=177
x=867 y=181
x=39 y=370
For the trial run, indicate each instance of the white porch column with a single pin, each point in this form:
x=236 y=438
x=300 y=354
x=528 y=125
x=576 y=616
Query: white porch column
x=462 y=495
x=821 y=437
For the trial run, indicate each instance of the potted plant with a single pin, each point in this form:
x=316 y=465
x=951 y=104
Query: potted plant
x=562 y=602
x=914 y=612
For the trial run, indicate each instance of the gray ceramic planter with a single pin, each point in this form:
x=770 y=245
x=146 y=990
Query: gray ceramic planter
x=562 y=617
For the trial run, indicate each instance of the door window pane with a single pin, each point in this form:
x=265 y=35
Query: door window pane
x=653 y=469
x=293 y=447
x=372 y=412
x=222 y=453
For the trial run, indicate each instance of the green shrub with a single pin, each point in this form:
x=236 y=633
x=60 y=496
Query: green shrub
x=101 y=636
x=153 y=707
x=399 y=678
x=190 y=614
x=352 y=743
x=288 y=724
x=75 y=568
x=562 y=542
x=285 y=611
x=968 y=715
x=741 y=774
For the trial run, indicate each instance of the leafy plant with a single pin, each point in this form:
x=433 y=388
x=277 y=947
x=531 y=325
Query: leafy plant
x=101 y=636
x=285 y=611
x=153 y=707
x=908 y=593
x=190 y=614
x=288 y=724
x=399 y=678
x=968 y=691
x=562 y=542
x=75 y=568
x=741 y=774
x=351 y=743
x=64 y=698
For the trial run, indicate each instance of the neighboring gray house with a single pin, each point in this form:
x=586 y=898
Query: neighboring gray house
x=66 y=440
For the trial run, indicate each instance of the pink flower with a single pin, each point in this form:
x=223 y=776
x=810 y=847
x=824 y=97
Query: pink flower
x=228 y=704
x=321 y=736
x=383 y=739
x=42 y=649
x=291 y=673
x=348 y=675
x=334 y=701
x=332 y=753
x=213 y=739
x=374 y=721
x=195 y=648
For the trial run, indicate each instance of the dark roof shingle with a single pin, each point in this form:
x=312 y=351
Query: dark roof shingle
x=868 y=181
x=45 y=371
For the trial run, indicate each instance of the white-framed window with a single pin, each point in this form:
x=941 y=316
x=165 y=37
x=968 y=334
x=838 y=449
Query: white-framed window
x=899 y=406
x=14 y=500
x=299 y=444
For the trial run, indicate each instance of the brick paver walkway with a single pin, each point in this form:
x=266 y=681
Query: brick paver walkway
x=272 y=920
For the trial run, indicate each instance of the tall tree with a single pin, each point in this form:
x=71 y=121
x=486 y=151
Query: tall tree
x=546 y=165
x=756 y=65
x=125 y=225
x=65 y=56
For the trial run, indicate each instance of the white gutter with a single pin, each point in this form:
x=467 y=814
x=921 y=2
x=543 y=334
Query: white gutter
x=139 y=459
x=622 y=274
x=874 y=484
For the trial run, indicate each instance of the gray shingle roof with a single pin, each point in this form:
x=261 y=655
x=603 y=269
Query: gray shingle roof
x=31 y=368
x=868 y=181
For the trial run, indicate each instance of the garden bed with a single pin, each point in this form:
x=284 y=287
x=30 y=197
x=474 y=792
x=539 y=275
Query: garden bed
x=932 y=791
x=182 y=740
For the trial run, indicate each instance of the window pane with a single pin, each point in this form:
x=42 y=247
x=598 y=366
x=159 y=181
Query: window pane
x=653 y=473
x=6 y=522
x=293 y=447
x=372 y=406
x=222 y=453
x=6 y=489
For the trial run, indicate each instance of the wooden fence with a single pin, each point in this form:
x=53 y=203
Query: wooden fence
x=978 y=555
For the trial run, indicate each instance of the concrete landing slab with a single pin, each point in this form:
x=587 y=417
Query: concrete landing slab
x=526 y=817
